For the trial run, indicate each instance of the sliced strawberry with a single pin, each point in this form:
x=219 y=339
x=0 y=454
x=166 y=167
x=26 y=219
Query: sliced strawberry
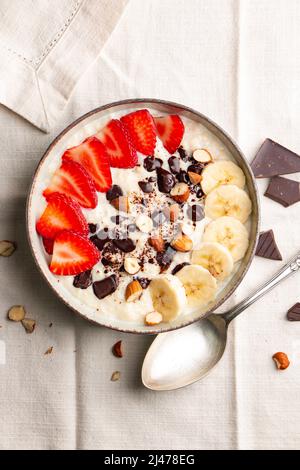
x=142 y=130
x=48 y=245
x=74 y=181
x=61 y=213
x=91 y=154
x=170 y=130
x=118 y=145
x=73 y=254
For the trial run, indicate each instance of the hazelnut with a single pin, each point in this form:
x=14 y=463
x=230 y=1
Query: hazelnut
x=202 y=155
x=153 y=318
x=131 y=265
x=16 y=313
x=180 y=192
x=281 y=360
x=117 y=349
x=144 y=223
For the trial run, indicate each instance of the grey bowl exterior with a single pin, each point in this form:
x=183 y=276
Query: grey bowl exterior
x=172 y=108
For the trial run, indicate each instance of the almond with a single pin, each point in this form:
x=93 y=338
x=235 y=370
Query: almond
x=202 y=155
x=174 y=210
x=121 y=203
x=183 y=243
x=281 y=360
x=157 y=243
x=16 y=313
x=180 y=192
x=133 y=291
x=153 y=318
x=29 y=325
x=117 y=349
x=131 y=265
x=194 y=177
x=7 y=248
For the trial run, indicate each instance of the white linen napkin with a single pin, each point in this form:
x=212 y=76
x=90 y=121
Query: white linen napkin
x=45 y=47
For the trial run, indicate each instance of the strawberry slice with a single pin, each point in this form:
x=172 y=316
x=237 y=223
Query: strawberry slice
x=118 y=145
x=73 y=254
x=61 y=213
x=48 y=245
x=91 y=154
x=170 y=130
x=74 y=181
x=141 y=128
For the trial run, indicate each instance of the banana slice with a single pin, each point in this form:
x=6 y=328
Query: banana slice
x=230 y=233
x=168 y=296
x=221 y=172
x=200 y=286
x=228 y=200
x=214 y=257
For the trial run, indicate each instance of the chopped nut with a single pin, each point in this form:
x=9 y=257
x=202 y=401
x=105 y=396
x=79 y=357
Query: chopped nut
x=131 y=265
x=281 y=360
x=144 y=223
x=29 y=325
x=187 y=229
x=153 y=318
x=49 y=351
x=121 y=203
x=202 y=155
x=133 y=291
x=180 y=192
x=16 y=313
x=194 y=177
x=7 y=248
x=117 y=349
x=115 y=376
x=174 y=210
x=157 y=242
x=182 y=243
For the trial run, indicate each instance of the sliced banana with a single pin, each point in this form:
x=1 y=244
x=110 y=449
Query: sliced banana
x=221 y=172
x=214 y=257
x=168 y=296
x=230 y=233
x=228 y=200
x=200 y=286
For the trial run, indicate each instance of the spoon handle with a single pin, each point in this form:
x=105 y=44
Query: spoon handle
x=287 y=270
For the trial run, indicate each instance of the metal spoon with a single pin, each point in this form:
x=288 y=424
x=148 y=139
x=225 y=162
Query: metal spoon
x=181 y=357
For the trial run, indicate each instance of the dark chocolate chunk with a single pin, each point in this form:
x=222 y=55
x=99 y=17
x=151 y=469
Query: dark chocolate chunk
x=159 y=217
x=114 y=192
x=183 y=177
x=200 y=193
x=93 y=228
x=152 y=179
x=105 y=287
x=100 y=239
x=145 y=186
x=165 y=180
x=195 y=212
x=83 y=280
x=152 y=164
x=183 y=154
x=125 y=244
x=111 y=255
x=178 y=267
x=284 y=191
x=165 y=259
x=174 y=164
x=273 y=159
x=293 y=314
x=267 y=247
x=144 y=281
x=196 y=168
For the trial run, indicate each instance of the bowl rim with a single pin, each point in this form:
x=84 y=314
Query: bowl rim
x=181 y=107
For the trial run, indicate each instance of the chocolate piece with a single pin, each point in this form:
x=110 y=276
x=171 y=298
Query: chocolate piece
x=267 y=247
x=183 y=154
x=126 y=244
x=144 y=281
x=284 y=191
x=93 y=228
x=165 y=259
x=112 y=255
x=200 y=193
x=100 y=239
x=114 y=192
x=178 y=267
x=195 y=212
x=105 y=287
x=152 y=164
x=196 y=168
x=183 y=177
x=83 y=280
x=293 y=314
x=152 y=179
x=273 y=159
x=165 y=180
x=159 y=217
x=145 y=186
x=174 y=164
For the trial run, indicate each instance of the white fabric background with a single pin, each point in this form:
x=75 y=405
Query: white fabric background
x=238 y=62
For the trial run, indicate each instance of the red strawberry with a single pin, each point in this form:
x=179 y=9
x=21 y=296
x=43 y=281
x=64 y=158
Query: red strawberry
x=170 y=130
x=142 y=130
x=48 y=245
x=91 y=154
x=73 y=254
x=74 y=181
x=118 y=145
x=61 y=213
